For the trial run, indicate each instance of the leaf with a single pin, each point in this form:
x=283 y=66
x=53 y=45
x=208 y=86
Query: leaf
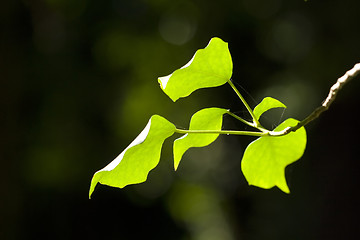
x=265 y=159
x=205 y=119
x=209 y=67
x=267 y=104
x=135 y=162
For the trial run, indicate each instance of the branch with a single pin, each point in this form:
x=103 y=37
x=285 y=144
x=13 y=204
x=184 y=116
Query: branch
x=349 y=75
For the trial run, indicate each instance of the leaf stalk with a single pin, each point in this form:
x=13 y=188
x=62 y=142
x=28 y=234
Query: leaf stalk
x=227 y=132
x=255 y=121
x=251 y=124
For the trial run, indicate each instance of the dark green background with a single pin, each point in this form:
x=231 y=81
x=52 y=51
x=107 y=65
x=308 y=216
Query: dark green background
x=78 y=82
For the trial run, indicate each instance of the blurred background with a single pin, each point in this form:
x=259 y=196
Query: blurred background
x=78 y=82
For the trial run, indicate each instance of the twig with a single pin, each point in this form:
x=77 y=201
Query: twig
x=349 y=75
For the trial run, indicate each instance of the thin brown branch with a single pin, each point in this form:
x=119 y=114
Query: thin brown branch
x=349 y=75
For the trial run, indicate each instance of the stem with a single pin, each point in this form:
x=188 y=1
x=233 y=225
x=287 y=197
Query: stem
x=240 y=119
x=349 y=75
x=256 y=122
x=227 y=132
x=247 y=123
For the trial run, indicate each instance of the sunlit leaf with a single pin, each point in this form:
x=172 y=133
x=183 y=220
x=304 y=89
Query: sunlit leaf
x=205 y=119
x=267 y=104
x=142 y=155
x=265 y=159
x=209 y=67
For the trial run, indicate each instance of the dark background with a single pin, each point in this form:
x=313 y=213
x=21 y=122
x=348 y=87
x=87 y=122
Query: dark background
x=78 y=82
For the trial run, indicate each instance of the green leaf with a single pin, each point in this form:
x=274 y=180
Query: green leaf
x=265 y=159
x=205 y=119
x=267 y=104
x=135 y=162
x=209 y=67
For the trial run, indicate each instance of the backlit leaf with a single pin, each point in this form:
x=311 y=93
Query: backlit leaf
x=209 y=67
x=265 y=159
x=267 y=104
x=205 y=119
x=135 y=162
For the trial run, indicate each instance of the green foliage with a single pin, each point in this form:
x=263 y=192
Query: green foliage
x=265 y=159
x=267 y=104
x=209 y=67
x=135 y=162
x=205 y=119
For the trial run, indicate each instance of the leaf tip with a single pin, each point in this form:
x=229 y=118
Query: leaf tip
x=284 y=188
x=176 y=165
x=177 y=152
x=93 y=184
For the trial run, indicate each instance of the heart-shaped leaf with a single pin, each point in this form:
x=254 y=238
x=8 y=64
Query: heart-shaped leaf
x=267 y=104
x=205 y=119
x=135 y=162
x=209 y=67
x=265 y=159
